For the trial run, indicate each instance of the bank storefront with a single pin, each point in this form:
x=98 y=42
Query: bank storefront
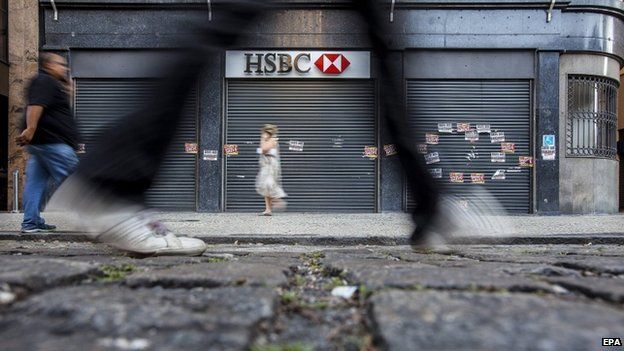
x=324 y=105
x=516 y=99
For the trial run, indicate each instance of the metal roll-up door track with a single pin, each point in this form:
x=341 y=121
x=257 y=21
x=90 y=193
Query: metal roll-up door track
x=334 y=119
x=504 y=105
x=100 y=102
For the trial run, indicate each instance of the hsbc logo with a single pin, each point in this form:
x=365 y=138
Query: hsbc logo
x=298 y=64
x=263 y=63
x=332 y=63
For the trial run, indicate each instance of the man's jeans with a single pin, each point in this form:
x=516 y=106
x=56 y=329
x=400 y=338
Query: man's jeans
x=47 y=162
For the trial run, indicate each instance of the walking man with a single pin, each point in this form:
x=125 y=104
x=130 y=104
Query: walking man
x=50 y=137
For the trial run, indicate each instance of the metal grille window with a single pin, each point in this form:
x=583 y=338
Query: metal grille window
x=592 y=119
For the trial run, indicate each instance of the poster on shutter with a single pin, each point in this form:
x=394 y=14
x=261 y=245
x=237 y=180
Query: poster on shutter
x=190 y=148
x=472 y=135
x=432 y=138
x=497 y=137
x=446 y=127
x=81 y=149
x=210 y=155
x=370 y=152
x=456 y=177
x=477 y=178
x=483 y=128
x=498 y=157
x=515 y=169
x=422 y=148
x=463 y=127
x=431 y=158
x=508 y=148
x=390 y=149
x=230 y=149
x=525 y=161
x=436 y=173
x=548 y=153
x=499 y=175
x=295 y=145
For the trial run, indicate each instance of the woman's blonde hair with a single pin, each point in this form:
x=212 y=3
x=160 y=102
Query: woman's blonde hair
x=271 y=129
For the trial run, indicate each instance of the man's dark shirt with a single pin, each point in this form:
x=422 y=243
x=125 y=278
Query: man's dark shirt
x=56 y=124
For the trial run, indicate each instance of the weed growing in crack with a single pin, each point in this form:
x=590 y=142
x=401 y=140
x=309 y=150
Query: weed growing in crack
x=299 y=280
x=289 y=297
x=112 y=273
x=217 y=259
x=334 y=282
x=306 y=303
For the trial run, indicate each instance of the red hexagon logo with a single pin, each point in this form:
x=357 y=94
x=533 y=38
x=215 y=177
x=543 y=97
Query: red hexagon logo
x=332 y=63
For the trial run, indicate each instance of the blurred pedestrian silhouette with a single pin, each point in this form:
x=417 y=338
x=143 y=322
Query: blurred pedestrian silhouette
x=109 y=186
x=50 y=137
x=269 y=179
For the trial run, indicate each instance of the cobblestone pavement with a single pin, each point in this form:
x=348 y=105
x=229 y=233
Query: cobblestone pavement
x=81 y=296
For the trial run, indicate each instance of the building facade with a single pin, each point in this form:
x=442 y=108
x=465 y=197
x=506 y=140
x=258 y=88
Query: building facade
x=4 y=102
x=518 y=97
x=21 y=49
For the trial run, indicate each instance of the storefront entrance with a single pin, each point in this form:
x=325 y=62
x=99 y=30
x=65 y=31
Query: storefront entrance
x=475 y=133
x=324 y=127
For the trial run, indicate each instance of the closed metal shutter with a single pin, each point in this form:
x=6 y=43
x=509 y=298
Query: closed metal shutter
x=335 y=120
x=99 y=102
x=504 y=105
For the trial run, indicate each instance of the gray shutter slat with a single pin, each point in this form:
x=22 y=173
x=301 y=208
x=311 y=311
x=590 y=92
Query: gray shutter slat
x=99 y=102
x=322 y=178
x=505 y=105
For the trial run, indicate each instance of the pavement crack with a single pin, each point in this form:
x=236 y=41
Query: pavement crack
x=306 y=304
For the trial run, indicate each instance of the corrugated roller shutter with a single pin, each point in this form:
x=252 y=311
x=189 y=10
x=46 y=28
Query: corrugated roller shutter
x=334 y=119
x=100 y=101
x=504 y=105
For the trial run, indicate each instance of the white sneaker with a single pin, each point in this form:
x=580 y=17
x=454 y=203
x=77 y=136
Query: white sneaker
x=141 y=235
x=120 y=225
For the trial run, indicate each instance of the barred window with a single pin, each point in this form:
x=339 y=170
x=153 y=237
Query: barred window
x=592 y=116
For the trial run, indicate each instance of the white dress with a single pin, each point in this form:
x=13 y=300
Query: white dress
x=269 y=179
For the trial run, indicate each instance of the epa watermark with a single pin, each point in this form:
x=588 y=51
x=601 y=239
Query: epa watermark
x=611 y=342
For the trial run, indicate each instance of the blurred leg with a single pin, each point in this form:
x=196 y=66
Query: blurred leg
x=393 y=110
x=34 y=188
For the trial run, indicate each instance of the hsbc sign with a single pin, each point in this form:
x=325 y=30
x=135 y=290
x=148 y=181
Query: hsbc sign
x=297 y=64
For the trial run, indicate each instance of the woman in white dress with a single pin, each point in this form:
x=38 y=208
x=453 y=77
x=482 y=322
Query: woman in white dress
x=269 y=179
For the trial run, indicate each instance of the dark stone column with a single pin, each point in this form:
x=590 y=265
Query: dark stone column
x=210 y=99
x=391 y=180
x=547 y=122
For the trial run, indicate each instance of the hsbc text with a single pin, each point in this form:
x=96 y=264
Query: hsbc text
x=273 y=62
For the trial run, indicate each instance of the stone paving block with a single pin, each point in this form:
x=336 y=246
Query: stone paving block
x=212 y=275
x=55 y=248
x=34 y=273
x=410 y=320
x=89 y=318
x=608 y=289
x=606 y=255
x=377 y=274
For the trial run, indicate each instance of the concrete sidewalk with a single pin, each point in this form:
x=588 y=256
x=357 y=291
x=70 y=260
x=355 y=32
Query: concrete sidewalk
x=381 y=228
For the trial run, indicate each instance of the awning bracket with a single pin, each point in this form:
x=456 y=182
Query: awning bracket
x=55 y=10
x=550 y=10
